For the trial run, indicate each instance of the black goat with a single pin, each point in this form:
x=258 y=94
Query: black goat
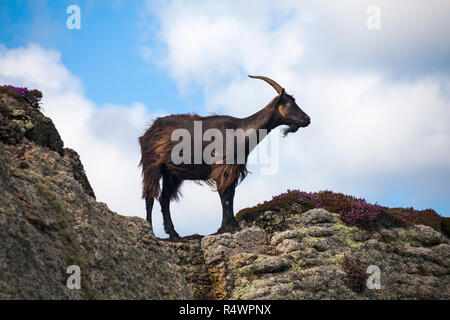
x=158 y=143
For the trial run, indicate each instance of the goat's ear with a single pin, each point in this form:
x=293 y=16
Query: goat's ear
x=280 y=96
x=277 y=100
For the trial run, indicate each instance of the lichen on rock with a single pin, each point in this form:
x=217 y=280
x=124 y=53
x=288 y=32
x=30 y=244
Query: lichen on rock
x=290 y=254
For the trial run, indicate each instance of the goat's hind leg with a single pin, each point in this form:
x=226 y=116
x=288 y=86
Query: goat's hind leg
x=149 y=207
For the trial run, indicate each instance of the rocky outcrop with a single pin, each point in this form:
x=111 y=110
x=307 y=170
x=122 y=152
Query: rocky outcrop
x=291 y=254
x=287 y=248
x=50 y=220
x=19 y=119
x=188 y=254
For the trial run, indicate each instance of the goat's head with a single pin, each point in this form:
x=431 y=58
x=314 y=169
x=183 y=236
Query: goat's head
x=287 y=112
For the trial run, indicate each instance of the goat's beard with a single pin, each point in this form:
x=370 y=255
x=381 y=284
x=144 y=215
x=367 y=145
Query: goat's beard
x=291 y=128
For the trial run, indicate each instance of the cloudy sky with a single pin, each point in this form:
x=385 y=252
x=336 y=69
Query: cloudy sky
x=379 y=99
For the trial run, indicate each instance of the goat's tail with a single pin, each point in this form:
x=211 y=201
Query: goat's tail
x=150 y=182
x=151 y=170
x=156 y=147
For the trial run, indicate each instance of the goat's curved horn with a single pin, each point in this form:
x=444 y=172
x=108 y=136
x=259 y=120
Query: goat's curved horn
x=275 y=85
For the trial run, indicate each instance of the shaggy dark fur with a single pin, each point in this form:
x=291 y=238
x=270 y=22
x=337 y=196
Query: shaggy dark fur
x=156 y=149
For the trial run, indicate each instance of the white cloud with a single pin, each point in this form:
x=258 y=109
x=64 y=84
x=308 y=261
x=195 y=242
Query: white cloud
x=207 y=40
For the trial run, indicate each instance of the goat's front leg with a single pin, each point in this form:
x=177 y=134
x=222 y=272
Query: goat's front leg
x=170 y=187
x=229 y=223
x=168 y=224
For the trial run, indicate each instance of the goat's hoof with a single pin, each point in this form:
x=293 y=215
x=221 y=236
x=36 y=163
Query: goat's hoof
x=230 y=229
x=174 y=236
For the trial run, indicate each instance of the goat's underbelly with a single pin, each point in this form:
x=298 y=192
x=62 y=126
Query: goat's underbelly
x=191 y=172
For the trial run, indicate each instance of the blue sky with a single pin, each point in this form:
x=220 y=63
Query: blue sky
x=104 y=53
x=379 y=99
